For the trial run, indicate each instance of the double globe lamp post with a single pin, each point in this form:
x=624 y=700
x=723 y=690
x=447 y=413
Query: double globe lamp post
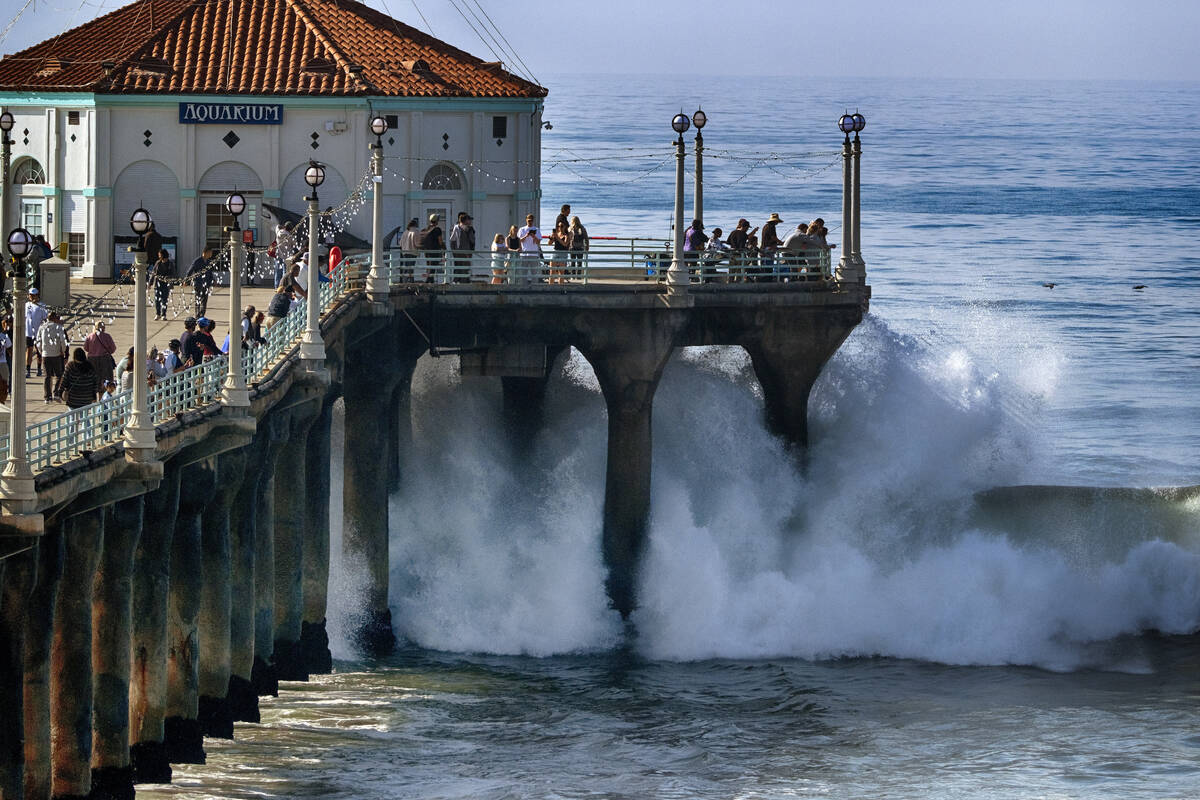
x=851 y=266
x=139 y=432
x=677 y=274
x=6 y=125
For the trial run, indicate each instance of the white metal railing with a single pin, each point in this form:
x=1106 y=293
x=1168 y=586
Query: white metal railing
x=607 y=261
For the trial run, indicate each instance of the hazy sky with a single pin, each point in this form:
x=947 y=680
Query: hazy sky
x=1106 y=39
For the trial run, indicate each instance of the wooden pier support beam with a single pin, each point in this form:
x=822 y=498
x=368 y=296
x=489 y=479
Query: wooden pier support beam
x=112 y=773
x=20 y=572
x=215 y=714
x=314 y=639
x=71 y=658
x=628 y=379
x=148 y=645
x=182 y=738
x=263 y=677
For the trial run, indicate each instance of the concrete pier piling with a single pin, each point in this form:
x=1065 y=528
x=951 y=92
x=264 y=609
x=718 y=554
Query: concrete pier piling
x=314 y=640
x=183 y=738
x=19 y=578
x=291 y=490
x=148 y=645
x=71 y=658
x=39 y=642
x=263 y=677
x=243 y=524
x=370 y=385
x=112 y=773
x=215 y=712
x=628 y=380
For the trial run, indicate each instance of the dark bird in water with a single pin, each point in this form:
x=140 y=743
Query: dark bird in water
x=1140 y=286
x=1049 y=285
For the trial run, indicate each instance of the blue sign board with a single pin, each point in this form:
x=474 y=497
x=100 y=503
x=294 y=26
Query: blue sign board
x=230 y=114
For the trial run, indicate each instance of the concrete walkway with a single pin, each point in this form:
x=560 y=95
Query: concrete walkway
x=112 y=303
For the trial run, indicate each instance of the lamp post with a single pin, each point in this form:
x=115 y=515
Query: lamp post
x=860 y=122
x=233 y=391
x=677 y=276
x=312 y=346
x=698 y=120
x=16 y=482
x=846 y=268
x=377 y=282
x=6 y=125
x=139 y=431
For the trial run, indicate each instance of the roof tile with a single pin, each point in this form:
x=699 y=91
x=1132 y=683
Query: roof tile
x=255 y=47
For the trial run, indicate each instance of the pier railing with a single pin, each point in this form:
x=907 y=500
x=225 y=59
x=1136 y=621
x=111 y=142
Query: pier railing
x=606 y=261
x=617 y=261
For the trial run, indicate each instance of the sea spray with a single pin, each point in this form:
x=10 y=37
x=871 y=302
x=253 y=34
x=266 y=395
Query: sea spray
x=869 y=544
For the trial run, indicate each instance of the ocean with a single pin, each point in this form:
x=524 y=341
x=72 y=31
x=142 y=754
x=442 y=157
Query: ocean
x=985 y=581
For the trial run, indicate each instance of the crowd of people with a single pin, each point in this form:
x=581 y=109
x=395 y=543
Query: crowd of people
x=754 y=257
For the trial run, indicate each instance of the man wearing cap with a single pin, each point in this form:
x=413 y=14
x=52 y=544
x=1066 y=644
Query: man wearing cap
x=462 y=242
x=432 y=243
x=35 y=315
x=531 y=247
x=200 y=343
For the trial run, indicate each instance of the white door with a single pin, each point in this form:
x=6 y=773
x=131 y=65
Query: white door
x=442 y=208
x=33 y=216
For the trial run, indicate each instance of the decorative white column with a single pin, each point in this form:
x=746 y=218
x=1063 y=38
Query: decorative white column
x=312 y=346
x=846 y=271
x=139 y=431
x=233 y=391
x=16 y=482
x=677 y=276
x=377 y=282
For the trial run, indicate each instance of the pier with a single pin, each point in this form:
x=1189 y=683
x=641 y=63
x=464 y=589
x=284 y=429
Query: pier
x=164 y=556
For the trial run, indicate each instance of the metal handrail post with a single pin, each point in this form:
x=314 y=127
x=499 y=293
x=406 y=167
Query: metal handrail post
x=16 y=482
x=233 y=392
x=139 y=431
x=312 y=346
x=377 y=284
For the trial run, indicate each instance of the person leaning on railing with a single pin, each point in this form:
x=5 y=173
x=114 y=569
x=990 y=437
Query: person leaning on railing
x=433 y=244
x=281 y=303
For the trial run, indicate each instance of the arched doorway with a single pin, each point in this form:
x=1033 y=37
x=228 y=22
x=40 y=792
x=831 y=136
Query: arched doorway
x=218 y=182
x=153 y=186
x=444 y=192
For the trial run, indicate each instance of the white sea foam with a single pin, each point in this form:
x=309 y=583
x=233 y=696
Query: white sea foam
x=870 y=550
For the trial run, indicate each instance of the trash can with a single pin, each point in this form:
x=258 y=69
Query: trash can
x=56 y=282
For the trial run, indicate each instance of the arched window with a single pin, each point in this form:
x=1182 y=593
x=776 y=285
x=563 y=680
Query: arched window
x=28 y=170
x=442 y=177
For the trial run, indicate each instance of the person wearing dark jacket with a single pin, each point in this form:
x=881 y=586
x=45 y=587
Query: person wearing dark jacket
x=79 y=385
x=160 y=274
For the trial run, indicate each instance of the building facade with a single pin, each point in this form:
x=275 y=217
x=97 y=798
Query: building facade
x=201 y=97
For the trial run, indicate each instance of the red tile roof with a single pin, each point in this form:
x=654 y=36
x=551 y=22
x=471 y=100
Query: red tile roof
x=258 y=47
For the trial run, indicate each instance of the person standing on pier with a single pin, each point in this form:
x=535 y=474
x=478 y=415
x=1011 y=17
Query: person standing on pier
x=409 y=245
x=433 y=244
x=5 y=349
x=79 y=386
x=201 y=278
x=160 y=276
x=531 y=247
x=54 y=347
x=580 y=244
x=462 y=243
x=35 y=315
x=100 y=347
x=770 y=243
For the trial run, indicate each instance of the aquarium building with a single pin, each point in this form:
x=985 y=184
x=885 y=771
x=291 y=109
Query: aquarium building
x=172 y=104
